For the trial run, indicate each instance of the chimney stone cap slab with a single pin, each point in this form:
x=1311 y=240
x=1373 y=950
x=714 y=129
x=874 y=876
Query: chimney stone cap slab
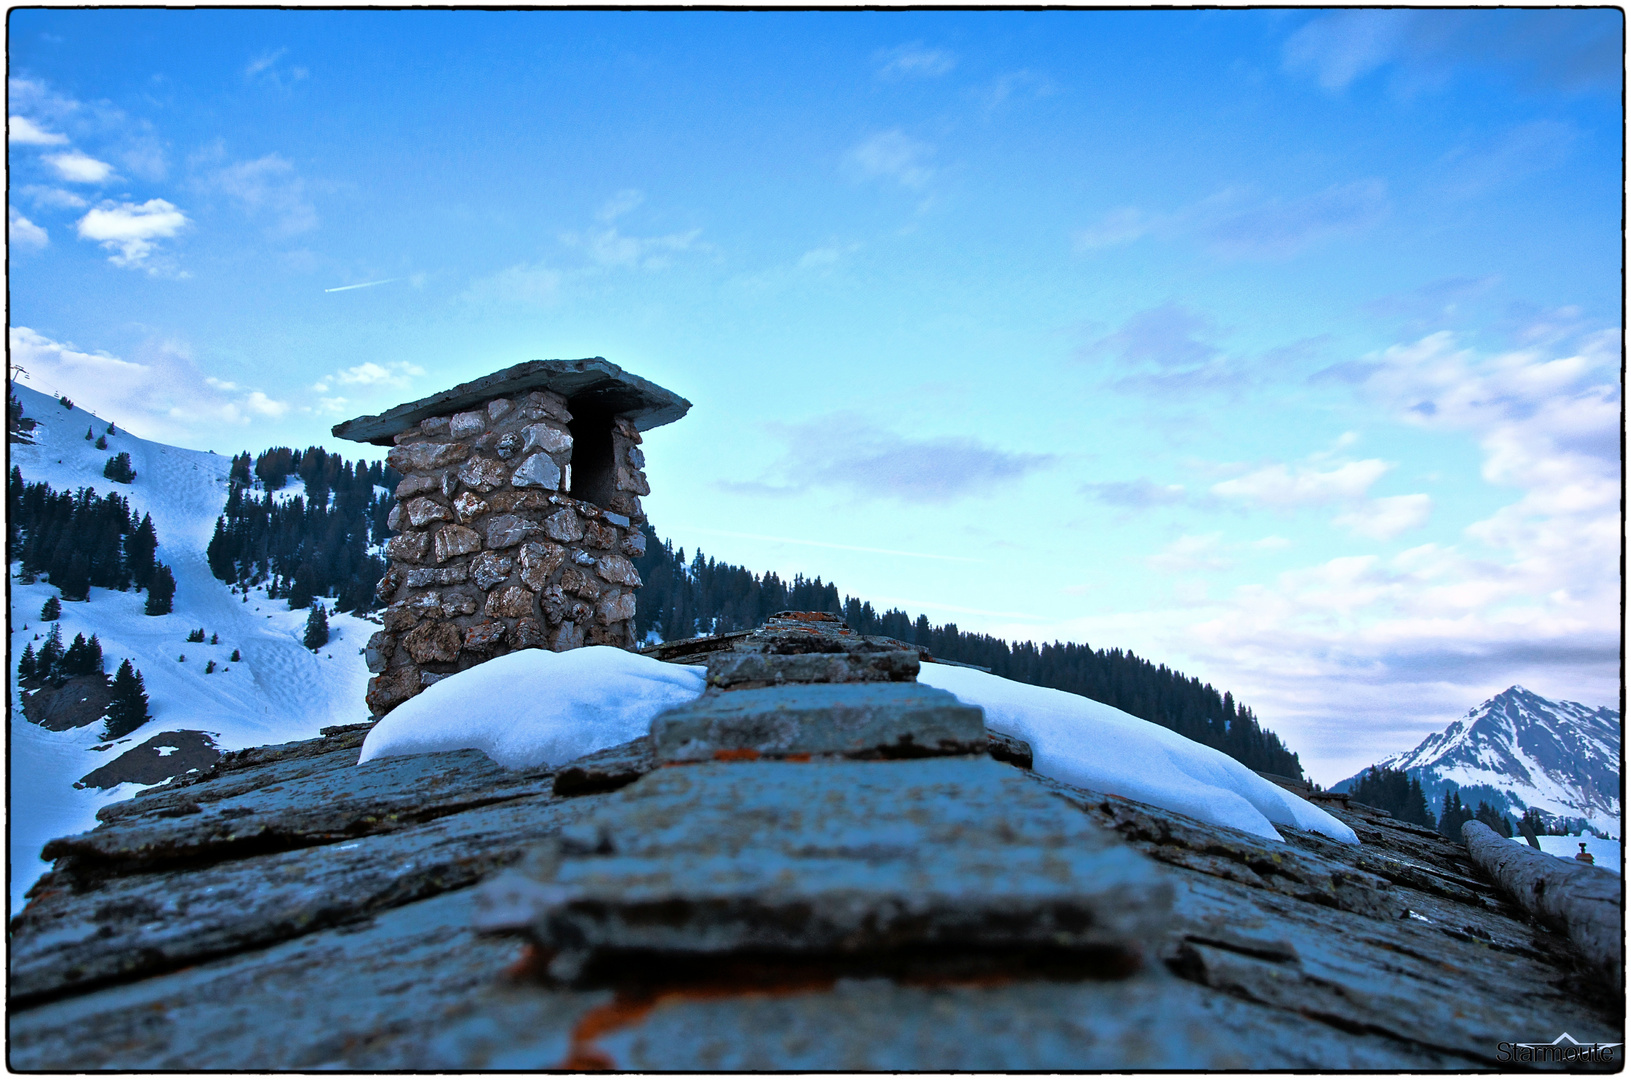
x=644 y=403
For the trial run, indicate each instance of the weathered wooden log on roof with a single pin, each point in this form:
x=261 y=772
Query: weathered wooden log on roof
x=805 y=898
x=1574 y=898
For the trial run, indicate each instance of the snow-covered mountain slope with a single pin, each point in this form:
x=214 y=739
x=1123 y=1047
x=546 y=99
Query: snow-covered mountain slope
x=1559 y=757
x=278 y=691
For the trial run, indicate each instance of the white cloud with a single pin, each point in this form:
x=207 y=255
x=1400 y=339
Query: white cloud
x=23 y=233
x=1355 y=657
x=267 y=186
x=846 y=451
x=620 y=204
x=610 y=248
x=130 y=229
x=1279 y=485
x=265 y=69
x=1555 y=49
x=893 y=155
x=54 y=197
x=397 y=373
x=914 y=59
x=1387 y=518
x=1235 y=224
x=20 y=130
x=78 y=168
x=825 y=256
x=525 y=285
x=1191 y=553
x=164 y=396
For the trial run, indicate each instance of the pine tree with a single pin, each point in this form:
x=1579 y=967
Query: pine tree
x=129 y=708
x=235 y=657
x=82 y=658
x=52 y=610
x=141 y=543
x=88 y=435
x=102 y=442
x=161 y=590
x=75 y=581
x=118 y=469
x=49 y=661
x=1494 y=819
x=112 y=428
x=25 y=665
x=316 y=628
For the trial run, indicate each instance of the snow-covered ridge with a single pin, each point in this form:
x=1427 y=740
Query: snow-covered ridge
x=276 y=692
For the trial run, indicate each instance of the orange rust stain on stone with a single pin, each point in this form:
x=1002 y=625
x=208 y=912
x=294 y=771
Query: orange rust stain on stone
x=746 y=753
x=629 y=1008
x=797 y=757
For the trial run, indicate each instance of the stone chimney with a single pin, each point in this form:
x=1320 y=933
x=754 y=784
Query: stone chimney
x=516 y=518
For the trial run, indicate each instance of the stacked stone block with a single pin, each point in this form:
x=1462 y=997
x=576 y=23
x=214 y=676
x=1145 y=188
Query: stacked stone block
x=492 y=554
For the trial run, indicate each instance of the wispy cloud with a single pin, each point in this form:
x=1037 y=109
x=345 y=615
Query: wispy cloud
x=1165 y=350
x=1235 y=225
x=521 y=285
x=914 y=59
x=21 y=131
x=1555 y=49
x=1140 y=494
x=397 y=373
x=23 y=233
x=624 y=201
x=1529 y=594
x=1433 y=304
x=266 y=69
x=161 y=395
x=78 y=168
x=1188 y=554
x=609 y=247
x=847 y=452
x=130 y=230
x=53 y=197
x=1012 y=87
x=267 y=187
x=826 y=256
x=1468 y=171
x=1387 y=518
x=894 y=155
x=1284 y=486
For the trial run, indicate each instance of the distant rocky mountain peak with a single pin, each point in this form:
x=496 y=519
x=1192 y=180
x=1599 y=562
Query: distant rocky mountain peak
x=1520 y=750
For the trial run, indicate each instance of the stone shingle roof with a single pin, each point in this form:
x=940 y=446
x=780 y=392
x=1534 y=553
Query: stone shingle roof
x=801 y=901
x=615 y=391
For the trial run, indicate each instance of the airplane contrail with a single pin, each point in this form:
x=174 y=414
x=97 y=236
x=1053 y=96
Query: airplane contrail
x=840 y=547
x=364 y=285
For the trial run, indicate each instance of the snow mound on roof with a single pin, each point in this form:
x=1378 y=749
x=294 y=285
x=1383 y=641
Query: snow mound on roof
x=534 y=708
x=1089 y=744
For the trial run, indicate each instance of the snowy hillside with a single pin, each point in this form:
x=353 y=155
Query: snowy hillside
x=1559 y=757
x=278 y=691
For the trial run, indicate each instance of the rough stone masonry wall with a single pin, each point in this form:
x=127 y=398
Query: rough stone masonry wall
x=491 y=555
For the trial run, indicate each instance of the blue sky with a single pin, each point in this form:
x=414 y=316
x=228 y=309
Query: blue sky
x=1280 y=346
